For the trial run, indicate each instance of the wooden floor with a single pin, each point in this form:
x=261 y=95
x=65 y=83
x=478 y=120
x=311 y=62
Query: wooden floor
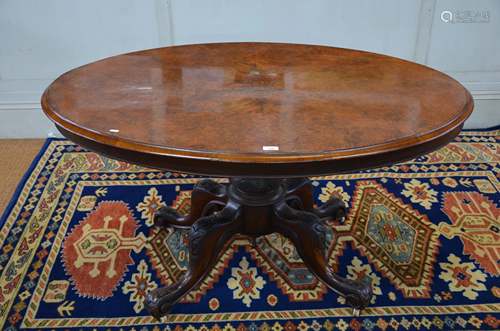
x=16 y=157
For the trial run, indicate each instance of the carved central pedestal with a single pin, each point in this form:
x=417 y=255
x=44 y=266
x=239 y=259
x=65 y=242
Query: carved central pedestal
x=254 y=207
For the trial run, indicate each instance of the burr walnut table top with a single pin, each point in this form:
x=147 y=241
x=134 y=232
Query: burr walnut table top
x=257 y=109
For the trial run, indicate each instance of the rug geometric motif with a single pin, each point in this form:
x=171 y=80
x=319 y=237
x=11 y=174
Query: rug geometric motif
x=476 y=221
x=397 y=240
x=97 y=252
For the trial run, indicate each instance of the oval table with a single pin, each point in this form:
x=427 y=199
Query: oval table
x=266 y=115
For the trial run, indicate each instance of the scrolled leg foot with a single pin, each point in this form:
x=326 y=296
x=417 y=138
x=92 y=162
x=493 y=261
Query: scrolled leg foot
x=307 y=233
x=333 y=209
x=208 y=197
x=159 y=302
x=300 y=196
x=168 y=216
x=360 y=293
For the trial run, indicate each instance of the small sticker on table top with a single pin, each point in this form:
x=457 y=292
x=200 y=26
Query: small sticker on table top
x=270 y=148
x=114 y=130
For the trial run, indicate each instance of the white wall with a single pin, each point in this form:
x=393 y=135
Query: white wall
x=41 y=39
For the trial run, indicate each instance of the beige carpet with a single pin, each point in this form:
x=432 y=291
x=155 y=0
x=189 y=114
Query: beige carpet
x=16 y=158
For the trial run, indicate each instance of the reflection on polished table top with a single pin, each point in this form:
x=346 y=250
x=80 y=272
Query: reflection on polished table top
x=224 y=109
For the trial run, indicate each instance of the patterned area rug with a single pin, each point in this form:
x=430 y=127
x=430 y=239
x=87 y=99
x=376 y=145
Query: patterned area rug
x=79 y=250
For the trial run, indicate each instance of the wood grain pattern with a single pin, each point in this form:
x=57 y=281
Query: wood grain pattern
x=209 y=109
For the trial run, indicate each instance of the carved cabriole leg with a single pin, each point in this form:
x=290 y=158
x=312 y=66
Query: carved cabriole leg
x=254 y=207
x=300 y=196
x=208 y=197
x=206 y=239
x=307 y=233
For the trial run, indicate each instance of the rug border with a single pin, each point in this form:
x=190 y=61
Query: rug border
x=25 y=178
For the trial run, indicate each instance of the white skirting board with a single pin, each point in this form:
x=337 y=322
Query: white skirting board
x=21 y=115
